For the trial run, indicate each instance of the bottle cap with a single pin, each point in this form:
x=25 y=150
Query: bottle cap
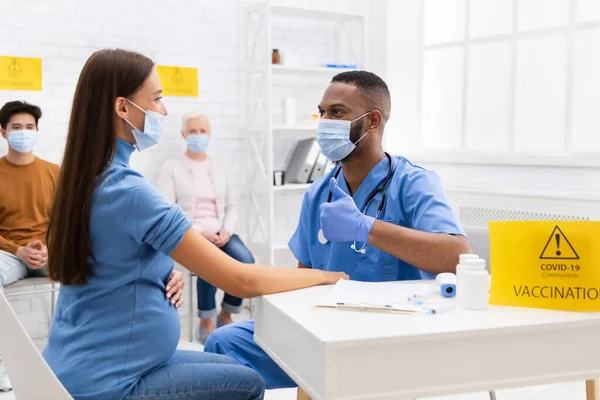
x=476 y=264
x=464 y=257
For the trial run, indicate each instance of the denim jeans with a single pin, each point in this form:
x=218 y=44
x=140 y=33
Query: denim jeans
x=194 y=375
x=207 y=307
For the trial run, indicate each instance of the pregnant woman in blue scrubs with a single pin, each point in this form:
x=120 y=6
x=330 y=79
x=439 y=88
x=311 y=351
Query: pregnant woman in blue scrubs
x=111 y=239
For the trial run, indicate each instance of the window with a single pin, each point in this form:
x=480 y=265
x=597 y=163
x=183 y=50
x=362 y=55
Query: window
x=509 y=77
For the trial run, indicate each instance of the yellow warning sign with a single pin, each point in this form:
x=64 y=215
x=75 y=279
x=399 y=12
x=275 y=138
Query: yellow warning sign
x=20 y=73
x=546 y=264
x=178 y=81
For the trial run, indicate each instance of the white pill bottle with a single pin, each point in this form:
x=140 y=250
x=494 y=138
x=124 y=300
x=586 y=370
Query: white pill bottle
x=472 y=284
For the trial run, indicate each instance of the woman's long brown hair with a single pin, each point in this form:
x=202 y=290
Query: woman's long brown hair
x=91 y=142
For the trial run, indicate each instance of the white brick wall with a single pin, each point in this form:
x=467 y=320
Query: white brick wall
x=195 y=33
x=202 y=34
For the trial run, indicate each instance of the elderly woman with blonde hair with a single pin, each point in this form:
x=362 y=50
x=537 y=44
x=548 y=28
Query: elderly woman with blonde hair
x=199 y=184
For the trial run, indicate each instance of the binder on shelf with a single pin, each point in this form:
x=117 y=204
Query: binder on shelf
x=303 y=161
x=319 y=168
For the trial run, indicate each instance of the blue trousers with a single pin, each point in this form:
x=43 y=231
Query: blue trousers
x=207 y=307
x=193 y=375
x=237 y=341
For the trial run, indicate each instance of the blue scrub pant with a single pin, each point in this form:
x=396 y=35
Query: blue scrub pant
x=237 y=341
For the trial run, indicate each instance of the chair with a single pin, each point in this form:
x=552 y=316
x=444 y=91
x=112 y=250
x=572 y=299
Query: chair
x=191 y=313
x=23 y=361
x=191 y=307
x=591 y=390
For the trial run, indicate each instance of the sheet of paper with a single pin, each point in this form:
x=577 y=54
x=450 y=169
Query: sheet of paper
x=372 y=293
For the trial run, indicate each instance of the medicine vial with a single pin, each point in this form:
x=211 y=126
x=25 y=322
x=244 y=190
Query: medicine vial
x=275 y=57
x=475 y=286
x=460 y=270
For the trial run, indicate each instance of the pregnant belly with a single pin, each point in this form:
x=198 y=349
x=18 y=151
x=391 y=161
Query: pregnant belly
x=159 y=335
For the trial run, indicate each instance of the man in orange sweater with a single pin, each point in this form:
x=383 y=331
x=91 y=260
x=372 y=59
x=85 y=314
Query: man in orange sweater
x=26 y=194
x=27 y=186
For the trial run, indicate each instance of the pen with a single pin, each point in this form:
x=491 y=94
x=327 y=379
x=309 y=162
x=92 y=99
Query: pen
x=363 y=307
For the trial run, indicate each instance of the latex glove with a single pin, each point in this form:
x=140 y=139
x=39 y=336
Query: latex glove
x=341 y=220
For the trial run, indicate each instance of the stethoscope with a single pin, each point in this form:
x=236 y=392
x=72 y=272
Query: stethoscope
x=370 y=199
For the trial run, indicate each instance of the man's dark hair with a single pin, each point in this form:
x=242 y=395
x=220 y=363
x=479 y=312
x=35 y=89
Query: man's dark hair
x=373 y=88
x=18 y=107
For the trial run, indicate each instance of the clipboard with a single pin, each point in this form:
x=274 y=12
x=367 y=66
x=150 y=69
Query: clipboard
x=389 y=297
x=388 y=308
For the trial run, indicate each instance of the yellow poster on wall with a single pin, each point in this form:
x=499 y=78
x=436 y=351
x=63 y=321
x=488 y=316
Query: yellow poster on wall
x=20 y=73
x=546 y=264
x=178 y=81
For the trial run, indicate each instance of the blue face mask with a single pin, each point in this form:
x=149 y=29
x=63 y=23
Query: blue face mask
x=197 y=143
x=22 y=140
x=153 y=127
x=333 y=136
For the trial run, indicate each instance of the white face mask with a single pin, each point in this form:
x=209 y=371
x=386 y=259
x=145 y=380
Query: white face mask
x=22 y=140
x=153 y=128
x=333 y=136
x=197 y=143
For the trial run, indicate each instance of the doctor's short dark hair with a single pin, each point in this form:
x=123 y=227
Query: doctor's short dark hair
x=18 y=107
x=373 y=88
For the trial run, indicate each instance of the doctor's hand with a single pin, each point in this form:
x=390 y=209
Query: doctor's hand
x=341 y=220
x=175 y=289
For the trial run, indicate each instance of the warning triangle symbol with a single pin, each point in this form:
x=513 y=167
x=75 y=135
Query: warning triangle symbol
x=177 y=76
x=14 y=66
x=558 y=247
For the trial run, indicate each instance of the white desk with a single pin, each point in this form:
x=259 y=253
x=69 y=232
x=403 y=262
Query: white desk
x=335 y=354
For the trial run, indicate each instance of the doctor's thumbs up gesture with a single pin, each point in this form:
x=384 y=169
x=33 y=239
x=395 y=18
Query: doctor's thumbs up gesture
x=341 y=220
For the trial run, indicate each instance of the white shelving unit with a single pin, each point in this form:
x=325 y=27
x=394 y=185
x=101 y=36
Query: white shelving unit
x=264 y=134
x=291 y=187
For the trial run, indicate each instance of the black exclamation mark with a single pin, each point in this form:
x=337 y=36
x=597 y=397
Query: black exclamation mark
x=557 y=236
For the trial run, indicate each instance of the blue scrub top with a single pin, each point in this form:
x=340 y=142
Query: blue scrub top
x=107 y=334
x=415 y=199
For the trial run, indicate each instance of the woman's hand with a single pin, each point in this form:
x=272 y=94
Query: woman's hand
x=211 y=237
x=331 y=278
x=175 y=289
x=223 y=238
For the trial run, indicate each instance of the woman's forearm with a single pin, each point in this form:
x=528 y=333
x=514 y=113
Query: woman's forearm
x=266 y=280
x=243 y=280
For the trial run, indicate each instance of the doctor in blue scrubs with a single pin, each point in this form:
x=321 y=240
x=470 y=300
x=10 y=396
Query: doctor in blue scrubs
x=376 y=217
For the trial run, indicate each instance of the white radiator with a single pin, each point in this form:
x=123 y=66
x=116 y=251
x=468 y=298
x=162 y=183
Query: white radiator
x=477 y=207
